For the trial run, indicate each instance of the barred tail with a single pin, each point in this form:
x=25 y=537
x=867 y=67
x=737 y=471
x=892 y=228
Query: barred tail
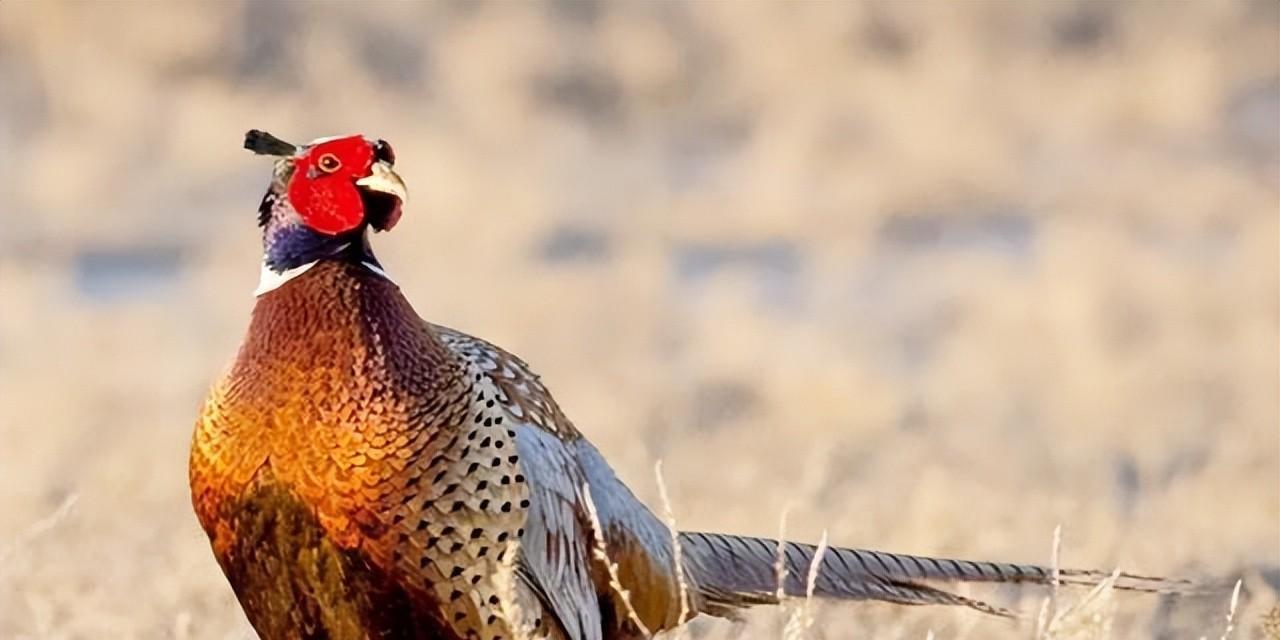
x=737 y=571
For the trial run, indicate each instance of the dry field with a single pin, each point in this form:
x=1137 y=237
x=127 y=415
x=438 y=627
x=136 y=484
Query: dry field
x=935 y=277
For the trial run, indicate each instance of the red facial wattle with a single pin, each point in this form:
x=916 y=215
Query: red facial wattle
x=322 y=189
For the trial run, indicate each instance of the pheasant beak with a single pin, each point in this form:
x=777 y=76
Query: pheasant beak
x=384 y=194
x=383 y=180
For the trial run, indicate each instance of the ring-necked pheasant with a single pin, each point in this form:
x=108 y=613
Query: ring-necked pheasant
x=363 y=473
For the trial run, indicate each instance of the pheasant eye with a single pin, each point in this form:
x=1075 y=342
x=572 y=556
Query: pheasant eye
x=329 y=163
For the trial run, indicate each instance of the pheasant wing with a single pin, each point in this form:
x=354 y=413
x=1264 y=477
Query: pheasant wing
x=554 y=561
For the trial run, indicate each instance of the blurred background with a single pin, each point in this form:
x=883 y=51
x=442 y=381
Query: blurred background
x=935 y=277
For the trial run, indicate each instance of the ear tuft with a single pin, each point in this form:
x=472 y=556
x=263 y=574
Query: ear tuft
x=265 y=144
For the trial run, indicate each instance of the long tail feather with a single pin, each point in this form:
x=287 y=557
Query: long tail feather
x=735 y=571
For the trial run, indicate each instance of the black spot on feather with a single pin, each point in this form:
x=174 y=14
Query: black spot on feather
x=265 y=207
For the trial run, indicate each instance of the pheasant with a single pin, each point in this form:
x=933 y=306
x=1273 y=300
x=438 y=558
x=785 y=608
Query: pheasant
x=363 y=473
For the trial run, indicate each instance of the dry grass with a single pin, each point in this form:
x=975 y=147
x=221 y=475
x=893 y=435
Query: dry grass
x=1231 y=611
x=800 y=614
x=1049 y=608
x=938 y=275
x=600 y=551
x=677 y=554
x=1269 y=628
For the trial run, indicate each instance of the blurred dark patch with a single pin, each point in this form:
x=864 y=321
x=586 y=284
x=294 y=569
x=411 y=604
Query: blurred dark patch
x=1126 y=324
x=694 y=148
x=718 y=403
x=917 y=343
x=262 y=49
x=581 y=91
x=394 y=58
x=1084 y=27
x=1175 y=615
x=915 y=416
x=699 y=261
x=23 y=102
x=574 y=244
x=884 y=37
x=195 y=64
x=702 y=55
x=1214 y=240
x=1001 y=229
x=1264 y=11
x=776 y=266
x=1193 y=439
x=917 y=314
x=109 y=276
x=1186 y=461
x=462 y=9
x=1126 y=483
x=1020 y=421
x=1219 y=400
x=859 y=457
x=1270 y=574
x=1165 y=622
x=1251 y=118
x=917 y=334
x=581 y=12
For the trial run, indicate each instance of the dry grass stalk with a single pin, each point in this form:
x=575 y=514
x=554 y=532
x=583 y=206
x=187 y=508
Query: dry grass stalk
x=814 y=566
x=39 y=527
x=508 y=596
x=601 y=553
x=1056 y=574
x=1049 y=606
x=676 y=551
x=1231 y=611
x=1089 y=618
x=41 y=611
x=780 y=560
x=801 y=618
x=1042 y=619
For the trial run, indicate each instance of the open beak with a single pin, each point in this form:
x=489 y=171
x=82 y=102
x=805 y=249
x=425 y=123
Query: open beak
x=383 y=180
x=384 y=194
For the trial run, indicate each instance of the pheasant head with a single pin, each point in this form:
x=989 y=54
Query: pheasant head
x=323 y=197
